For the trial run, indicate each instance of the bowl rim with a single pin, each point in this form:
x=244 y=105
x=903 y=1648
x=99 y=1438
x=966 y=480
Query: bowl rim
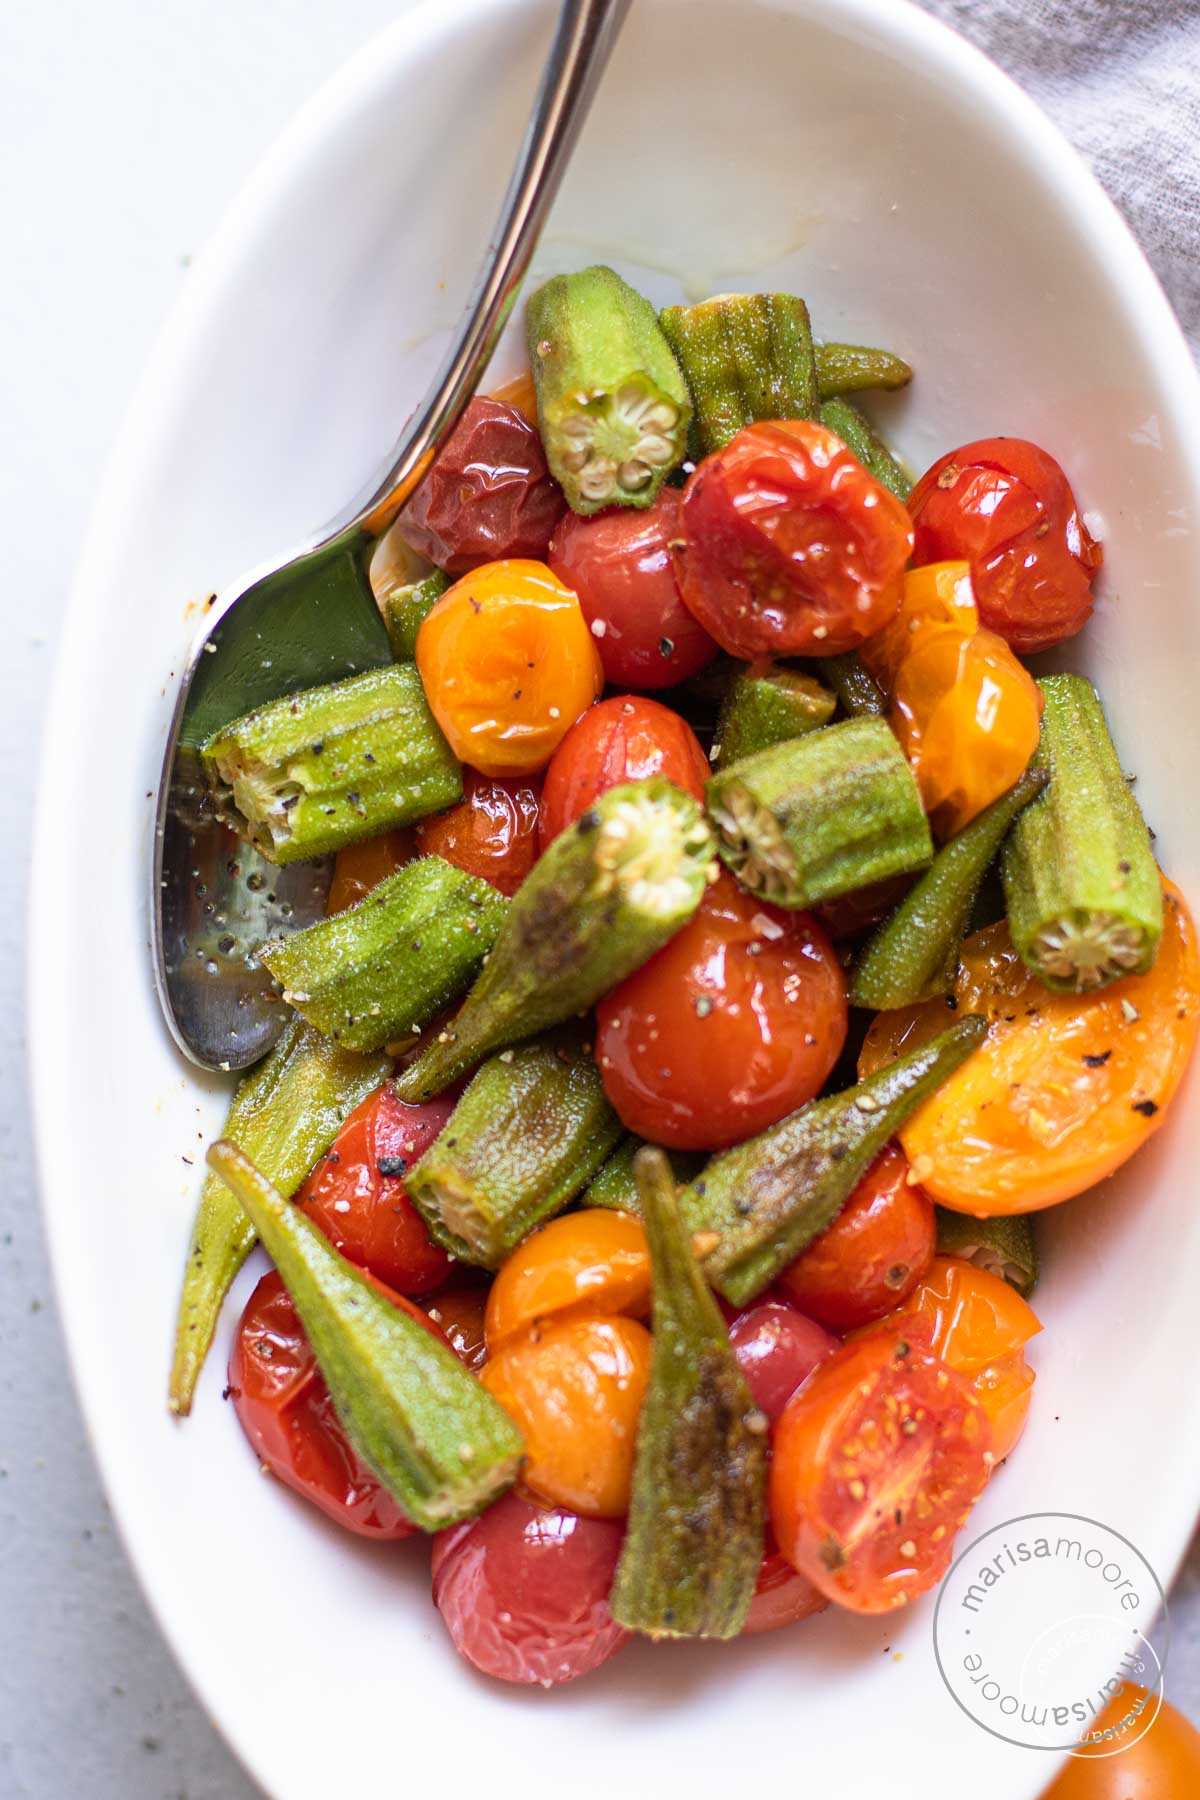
x=902 y=26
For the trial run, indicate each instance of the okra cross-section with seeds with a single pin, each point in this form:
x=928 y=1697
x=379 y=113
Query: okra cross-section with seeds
x=317 y=770
x=820 y=815
x=613 y=406
x=379 y=971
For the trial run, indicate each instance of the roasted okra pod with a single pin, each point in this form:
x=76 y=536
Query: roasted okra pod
x=746 y=357
x=850 y=368
x=615 y=1187
x=766 y=703
x=406 y=607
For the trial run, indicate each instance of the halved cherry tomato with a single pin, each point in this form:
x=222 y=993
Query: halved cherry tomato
x=508 y=665
x=523 y=1591
x=592 y=1261
x=874 y=1253
x=737 y=1021
x=876 y=1463
x=782 y=1596
x=488 y=493
x=575 y=1391
x=458 y=1309
x=1064 y=1088
x=790 y=548
x=1005 y=506
x=619 y=563
x=285 y=1410
x=356 y=1193
x=360 y=867
x=1137 y=1762
x=777 y=1348
x=938 y=597
x=622 y=739
x=492 y=832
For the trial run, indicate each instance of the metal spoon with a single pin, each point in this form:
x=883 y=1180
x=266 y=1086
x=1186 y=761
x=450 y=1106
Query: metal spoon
x=214 y=899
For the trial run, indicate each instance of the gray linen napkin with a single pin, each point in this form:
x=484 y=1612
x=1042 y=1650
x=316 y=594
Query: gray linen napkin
x=1122 y=79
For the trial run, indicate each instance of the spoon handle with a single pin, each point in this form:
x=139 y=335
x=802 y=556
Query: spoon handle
x=583 y=42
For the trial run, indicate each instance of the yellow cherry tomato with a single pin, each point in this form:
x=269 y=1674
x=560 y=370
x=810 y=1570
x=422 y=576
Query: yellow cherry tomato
x=593 y=1261
x=937 y=597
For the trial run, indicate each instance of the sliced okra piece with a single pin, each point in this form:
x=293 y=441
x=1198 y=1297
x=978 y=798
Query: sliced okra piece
x=613 y=406
x=851 y=368
x=861 y=438
x=406 y=607
x=317 y=770
x=746 y=357
x=1004 y=1246
x=766 y=703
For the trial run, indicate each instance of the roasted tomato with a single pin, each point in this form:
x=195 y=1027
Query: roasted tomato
x=619 y=563
x=592 y=1261
x=782 y=1595
x=619 y=740
x=508 y=665
x=876 y=1463
x=488 y=494
x=492 y=832
x=874 y=1253
x=523 y=1591
x=575 y=1391
x=458 y=1309
x=360 y=867
x=936 y=598
x=789 y=547
x=1005 y=506
x=777 y=1349
x=737 y=1021
x=1125 y=1759
x=356 y=1193
x=285 y=1410
x=1064 y=1088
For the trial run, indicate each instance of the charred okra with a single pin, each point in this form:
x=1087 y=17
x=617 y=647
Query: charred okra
x=693 y=1546
x=440 y=1444
x=320 y=769
x=746 y=357
x=613 y=407
x=766 y=703
x=285 y=1114
x=1083 y=891
x=381 y=969
x=406 y=607
x=820 y=815
x=608 y=893
x=528 y=1134
x=765 y=1200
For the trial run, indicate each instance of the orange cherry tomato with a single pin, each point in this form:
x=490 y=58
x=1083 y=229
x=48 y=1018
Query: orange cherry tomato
x=591 y=1261
x=1064 y=1088
x=360 y=867
x=789 y=547
x=492 y=832
x=935 y=598
x=980 y=1328
x=968 y=717
x=508 y=665
x=874 y=1253
x=875 y=1465
x=1163 y=1763
x=459 y=1309
x=627 y=738
x=575 y=1391
x=520 y=394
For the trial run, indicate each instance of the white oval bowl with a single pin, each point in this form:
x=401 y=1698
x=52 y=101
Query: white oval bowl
x=851 y=150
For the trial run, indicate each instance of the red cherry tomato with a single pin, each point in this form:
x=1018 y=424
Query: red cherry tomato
x=622 y=739
x=782 y=1597
x=1006 y=507
x=285 y=1410
x=873 y=1255
x=492 y=832
x=619 y=564
x=737 y=1021
x=459 y=1309
x=789 y=547
x=875 y=1465
x=777 y=1348
x=489 y=494
x=523 y=1591
x=356 y=1193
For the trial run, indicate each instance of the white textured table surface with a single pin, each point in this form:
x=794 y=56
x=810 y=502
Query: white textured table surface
x=124 y=130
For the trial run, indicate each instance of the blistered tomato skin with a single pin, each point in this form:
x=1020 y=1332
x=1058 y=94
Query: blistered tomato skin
x=622 y=739
x=492 y=832
x=619 y=563
x=777 y=1349
x=489 y=493
x=736 y=1022
x=523 y=1592
x=285 y=1410
x=873 y=1255
x=788 y=546
x=1006 y=507
x=356 y=1193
